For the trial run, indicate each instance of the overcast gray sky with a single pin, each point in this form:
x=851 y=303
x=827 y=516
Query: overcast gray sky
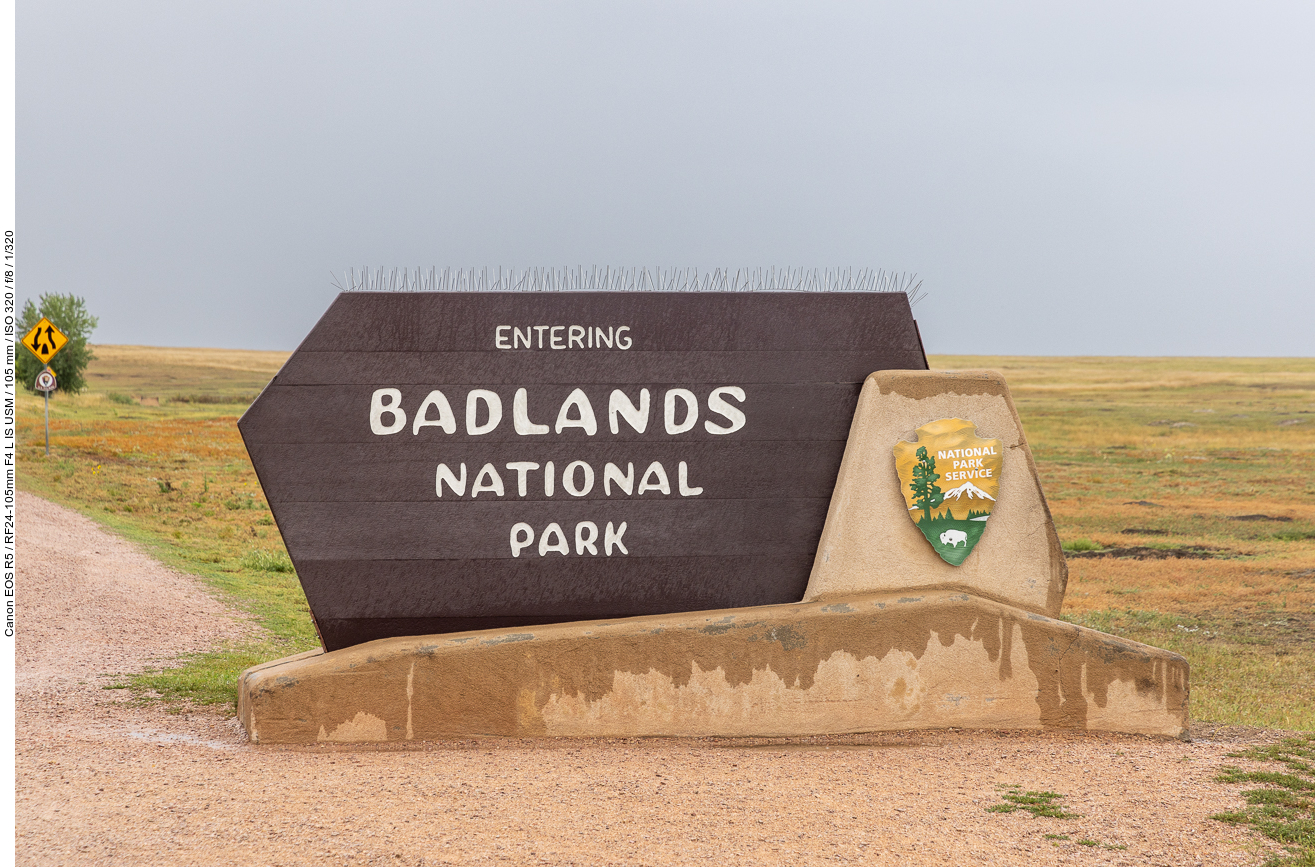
x=1129 y=178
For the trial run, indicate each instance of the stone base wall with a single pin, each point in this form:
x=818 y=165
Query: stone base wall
x=860 y=663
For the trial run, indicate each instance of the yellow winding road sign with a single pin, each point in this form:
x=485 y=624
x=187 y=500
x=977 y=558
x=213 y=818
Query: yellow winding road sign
x=45 y=340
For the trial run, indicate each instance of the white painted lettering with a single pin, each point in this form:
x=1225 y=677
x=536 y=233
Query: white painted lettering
x=717 y=403
x=636 y=416
x=378 y=409
x=494 y=404
x=568 y=479
x=446 y=420
x=613 y=537
x=520 y=415
x=570 y=337
x=659 y=477
x=669 y=410
x=487 y=480
x=612 y=473
x=549 y=474
x=522 y=470
x=553 y=530
x=522 y=535
x=458 y=485
x=586 y=534
x=554 y=539
x=585 y=420
x=682 y=478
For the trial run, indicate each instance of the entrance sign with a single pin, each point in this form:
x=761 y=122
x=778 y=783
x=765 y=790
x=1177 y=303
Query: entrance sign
x=44 y=340
x=46 y=380
x=950 y=479
x=447 y=461
x=888 y=636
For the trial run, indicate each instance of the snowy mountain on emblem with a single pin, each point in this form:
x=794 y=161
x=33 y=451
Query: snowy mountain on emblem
x=969 y=490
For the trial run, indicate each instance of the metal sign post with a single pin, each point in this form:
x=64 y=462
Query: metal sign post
x=44 y=340
x=46 y=384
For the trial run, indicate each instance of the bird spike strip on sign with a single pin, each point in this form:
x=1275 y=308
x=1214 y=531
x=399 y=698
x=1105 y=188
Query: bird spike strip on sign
x=446 y=461
x=595 y=279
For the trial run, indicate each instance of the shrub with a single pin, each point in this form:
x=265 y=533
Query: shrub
x=69 y=314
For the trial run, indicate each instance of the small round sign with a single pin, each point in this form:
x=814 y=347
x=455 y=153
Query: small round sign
x=46 y=381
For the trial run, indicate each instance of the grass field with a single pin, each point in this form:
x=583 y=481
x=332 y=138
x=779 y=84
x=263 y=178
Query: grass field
x=1184 y=489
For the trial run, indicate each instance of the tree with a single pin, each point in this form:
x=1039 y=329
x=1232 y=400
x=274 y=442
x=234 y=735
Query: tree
x=925 y=493
x=69 y=314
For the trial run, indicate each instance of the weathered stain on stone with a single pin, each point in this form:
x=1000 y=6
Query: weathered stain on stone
x=787 y=636
x=360 y=729
x=966 y=383
x=505 y=639
x=776 y=652
x=838 y=608
x=721 y=627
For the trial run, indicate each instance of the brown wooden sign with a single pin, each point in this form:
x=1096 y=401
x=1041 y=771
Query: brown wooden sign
x=444 y=461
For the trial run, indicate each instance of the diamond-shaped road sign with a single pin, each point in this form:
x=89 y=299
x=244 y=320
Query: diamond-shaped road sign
x=446 y=461
x=44 y=340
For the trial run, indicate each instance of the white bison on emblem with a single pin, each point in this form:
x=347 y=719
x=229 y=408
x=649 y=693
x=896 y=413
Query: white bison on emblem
x=954 y=537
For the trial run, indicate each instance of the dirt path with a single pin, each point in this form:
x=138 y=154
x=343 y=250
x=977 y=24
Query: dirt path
x=103 y=782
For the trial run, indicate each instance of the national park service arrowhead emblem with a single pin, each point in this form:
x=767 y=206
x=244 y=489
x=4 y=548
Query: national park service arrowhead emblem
x=950 y=478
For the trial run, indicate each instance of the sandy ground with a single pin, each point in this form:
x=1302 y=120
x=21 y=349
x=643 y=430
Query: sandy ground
x=101 y=781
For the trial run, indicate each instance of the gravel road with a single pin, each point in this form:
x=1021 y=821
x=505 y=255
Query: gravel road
x=101 y=781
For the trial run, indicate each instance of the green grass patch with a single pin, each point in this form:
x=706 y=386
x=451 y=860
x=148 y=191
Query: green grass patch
x=265 y=560
x=1283 y=809
x=1037 y=803
x=1082 y=545
x=208 y=678
x=1248 y=668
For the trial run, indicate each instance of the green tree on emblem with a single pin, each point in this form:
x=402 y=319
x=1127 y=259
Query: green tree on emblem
x=925 y=493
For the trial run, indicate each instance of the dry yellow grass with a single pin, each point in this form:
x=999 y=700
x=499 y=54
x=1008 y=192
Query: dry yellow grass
x=162 y=372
